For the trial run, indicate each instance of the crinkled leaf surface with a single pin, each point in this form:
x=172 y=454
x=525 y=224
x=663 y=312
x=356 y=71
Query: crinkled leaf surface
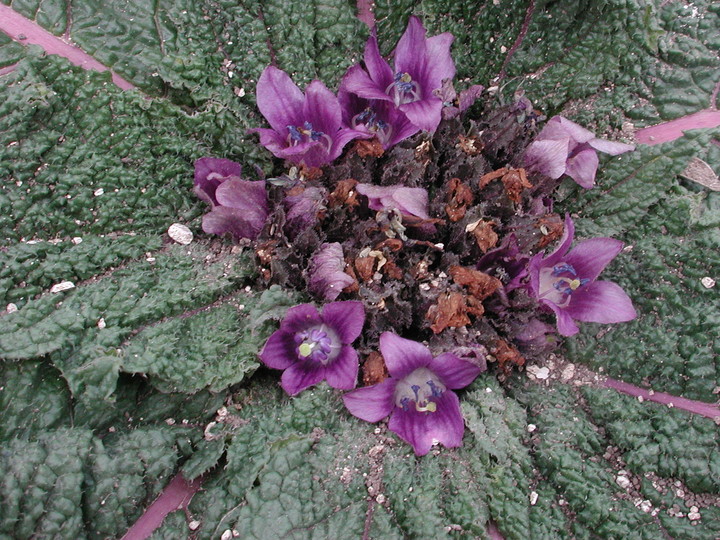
x=107 y=388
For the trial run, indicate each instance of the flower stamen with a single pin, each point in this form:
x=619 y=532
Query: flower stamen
x=315 y=344
x=403 y=89
x=421 y=390
x=306 y=133
x=372 y=123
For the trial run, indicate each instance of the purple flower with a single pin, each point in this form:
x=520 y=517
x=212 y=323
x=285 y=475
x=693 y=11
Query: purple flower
x=239 y=207
x=421 y=64
x=564 y=147
x=565 y=281
x=375 y=117
x=417 y=395
x=312 y=347
x=327 y=277
x=306 y=128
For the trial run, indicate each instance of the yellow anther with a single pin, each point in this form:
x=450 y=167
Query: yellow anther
x=305 y=349
x=406 y=78
x=574 y=284
x=430 y=407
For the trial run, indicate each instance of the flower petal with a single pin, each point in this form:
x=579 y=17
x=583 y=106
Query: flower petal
x=610 y=147
x=210 y=173
x=410 y=53
x=322 y=108
x=222 y=220
x=402 y=127
x=402 y=356
x=357 y=81
x=271 y=139
x=279 y=351
x=590 y=257
x=565 y=325
x=279 y=99
x=559 y=127
x=248 y=197
x=299 y=318
x=342 y=137
x=560 y=252
x=454 y=372
x=548 y=157
x=411 y=201
x=421 y=429
x=371 y=403
x=582 y=167
x=601 y=302
x=345 y=318
x=439 y=63
x=300 y=376
x=378 y=69
x=411 y=426
x=425 y=114
x=342 y=372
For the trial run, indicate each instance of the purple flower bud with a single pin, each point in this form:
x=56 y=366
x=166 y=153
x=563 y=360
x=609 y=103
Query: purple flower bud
x=302 y=209
x=239 y=207
x=327 y=278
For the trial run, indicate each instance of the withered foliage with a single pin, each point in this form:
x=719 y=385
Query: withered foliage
x=418 y=277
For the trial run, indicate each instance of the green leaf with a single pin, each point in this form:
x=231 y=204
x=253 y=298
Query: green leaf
x=214 y=348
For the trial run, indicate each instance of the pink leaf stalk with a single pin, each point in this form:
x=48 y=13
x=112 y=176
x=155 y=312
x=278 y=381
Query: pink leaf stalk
x=25 y=31
x=177 y=494
x=708 y=410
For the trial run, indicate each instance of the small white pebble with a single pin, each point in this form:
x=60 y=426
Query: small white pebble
x=568 y=373
x=77 y=240
x=98 y=192
x=488 y=390
x=180 y=233
x=533 y=498
x=623 y=482
x=540 y=373
x=193 y=525
x=380 y=498
x=11 y=308
x=694 y=516
x=708 y=282
x=62 y=286
x=531 y=428
x=641 y=399
x=101 y=323
x=503 y=49
x=227 y=535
